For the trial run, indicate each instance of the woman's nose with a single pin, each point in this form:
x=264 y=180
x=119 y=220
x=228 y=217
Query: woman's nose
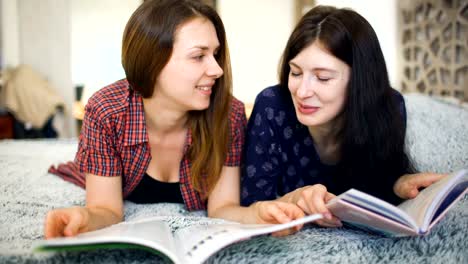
x=214 y=69
x=305 y=88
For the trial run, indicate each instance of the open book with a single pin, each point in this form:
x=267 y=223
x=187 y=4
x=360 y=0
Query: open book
x=412 y=217
x=193 y=244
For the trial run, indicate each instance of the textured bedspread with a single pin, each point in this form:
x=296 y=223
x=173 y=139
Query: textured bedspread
x=437 y=141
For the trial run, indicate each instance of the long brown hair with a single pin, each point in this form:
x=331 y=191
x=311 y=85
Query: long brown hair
x=147 y=47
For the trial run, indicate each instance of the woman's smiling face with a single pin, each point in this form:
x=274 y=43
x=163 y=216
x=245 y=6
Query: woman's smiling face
x=190 y=74
x=318 y=82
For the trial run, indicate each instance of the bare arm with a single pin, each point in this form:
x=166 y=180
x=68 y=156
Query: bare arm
x=224 y=202
x=104 y=207
x=104 y=200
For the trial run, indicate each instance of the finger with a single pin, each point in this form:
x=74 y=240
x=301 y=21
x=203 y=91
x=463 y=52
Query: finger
x=284 y=232
x=410 y=188
x=334 y=220
x=406 y=190
x=317 y=202
x=73 y=222
x=302 y=204
x=275 y=214
x=328 y=223
x=52 y=225
x=296 y=213
x=49 y=225
x=411 y=193
x=426 y=179
x=291 y=210
x=329 y=196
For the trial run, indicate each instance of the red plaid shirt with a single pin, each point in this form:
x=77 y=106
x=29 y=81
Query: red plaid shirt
x=114 y=142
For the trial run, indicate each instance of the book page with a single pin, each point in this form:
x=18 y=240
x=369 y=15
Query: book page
x=457 y=193
x=152 y=233
x=374 y=205
x=368 y=220
x=197 y=243
x=423 y=207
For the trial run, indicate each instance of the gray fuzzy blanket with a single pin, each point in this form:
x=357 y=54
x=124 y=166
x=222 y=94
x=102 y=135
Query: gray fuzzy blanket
x=436 y=138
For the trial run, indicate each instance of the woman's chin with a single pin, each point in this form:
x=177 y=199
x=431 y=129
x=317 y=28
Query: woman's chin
x=200 y=106
x=308 y=120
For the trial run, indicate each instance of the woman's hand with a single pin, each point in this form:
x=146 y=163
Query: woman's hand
x=408 y=185
x=276 y=212
x=312 y=199
x=66 y=222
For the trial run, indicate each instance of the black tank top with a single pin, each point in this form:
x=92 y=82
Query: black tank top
x=150 y=190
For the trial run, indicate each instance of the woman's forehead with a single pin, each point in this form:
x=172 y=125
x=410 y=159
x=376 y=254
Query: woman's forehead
x=198 y=31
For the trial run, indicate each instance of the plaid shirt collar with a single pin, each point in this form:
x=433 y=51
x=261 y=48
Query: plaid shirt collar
x=135 y=126
x=135 y=131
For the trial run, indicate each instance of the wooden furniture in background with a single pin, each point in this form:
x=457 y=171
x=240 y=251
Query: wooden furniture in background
x=302 y=7
x=211 y=3
x=78 y=115
x=6 y=126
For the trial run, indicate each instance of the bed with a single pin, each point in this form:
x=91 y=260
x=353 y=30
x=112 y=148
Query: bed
x=437 y=139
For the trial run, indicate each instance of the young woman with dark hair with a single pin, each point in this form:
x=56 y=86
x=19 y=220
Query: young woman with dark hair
x=170 y=132
x=333 y=123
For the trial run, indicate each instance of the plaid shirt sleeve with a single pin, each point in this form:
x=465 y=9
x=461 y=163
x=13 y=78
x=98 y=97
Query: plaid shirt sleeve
x=96 y=151
x=238 y=123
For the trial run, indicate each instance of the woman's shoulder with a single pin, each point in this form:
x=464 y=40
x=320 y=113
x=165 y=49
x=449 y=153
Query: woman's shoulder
x=273 y=100
x=274 y=97
x=237 y=111
x=400 y=102
x=398 y=96
x=237 y=105
x=110 y=100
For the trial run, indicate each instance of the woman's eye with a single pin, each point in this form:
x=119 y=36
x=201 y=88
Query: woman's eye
x=323 y=79
x=295 y=74
x=199 y=57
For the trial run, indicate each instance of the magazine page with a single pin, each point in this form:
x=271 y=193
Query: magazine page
x=368 y=220
x=423 y=207
x=376 y=206
x=197 y=243
x=152 y=233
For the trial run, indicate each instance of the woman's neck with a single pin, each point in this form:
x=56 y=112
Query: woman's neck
x=163 y=119
x=326 y=143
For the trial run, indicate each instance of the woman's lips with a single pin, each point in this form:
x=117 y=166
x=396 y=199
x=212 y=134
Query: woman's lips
x=206 y=90
x=307 y=110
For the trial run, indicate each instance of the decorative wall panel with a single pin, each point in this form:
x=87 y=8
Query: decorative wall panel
x=434 y=47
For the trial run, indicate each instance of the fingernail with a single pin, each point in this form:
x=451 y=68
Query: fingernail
x=327 y=216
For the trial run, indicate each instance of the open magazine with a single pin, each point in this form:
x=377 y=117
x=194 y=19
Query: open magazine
x=412 y=217
x=193 y=244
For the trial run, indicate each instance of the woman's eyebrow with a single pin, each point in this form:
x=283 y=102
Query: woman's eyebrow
x=291 y=63
x=202 y=47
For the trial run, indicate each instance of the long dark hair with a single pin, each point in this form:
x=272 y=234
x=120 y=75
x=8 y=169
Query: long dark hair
x=147 y=46
x=372 y=134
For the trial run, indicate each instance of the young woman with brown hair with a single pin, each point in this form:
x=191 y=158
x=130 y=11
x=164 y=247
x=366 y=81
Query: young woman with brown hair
x=170 y=132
